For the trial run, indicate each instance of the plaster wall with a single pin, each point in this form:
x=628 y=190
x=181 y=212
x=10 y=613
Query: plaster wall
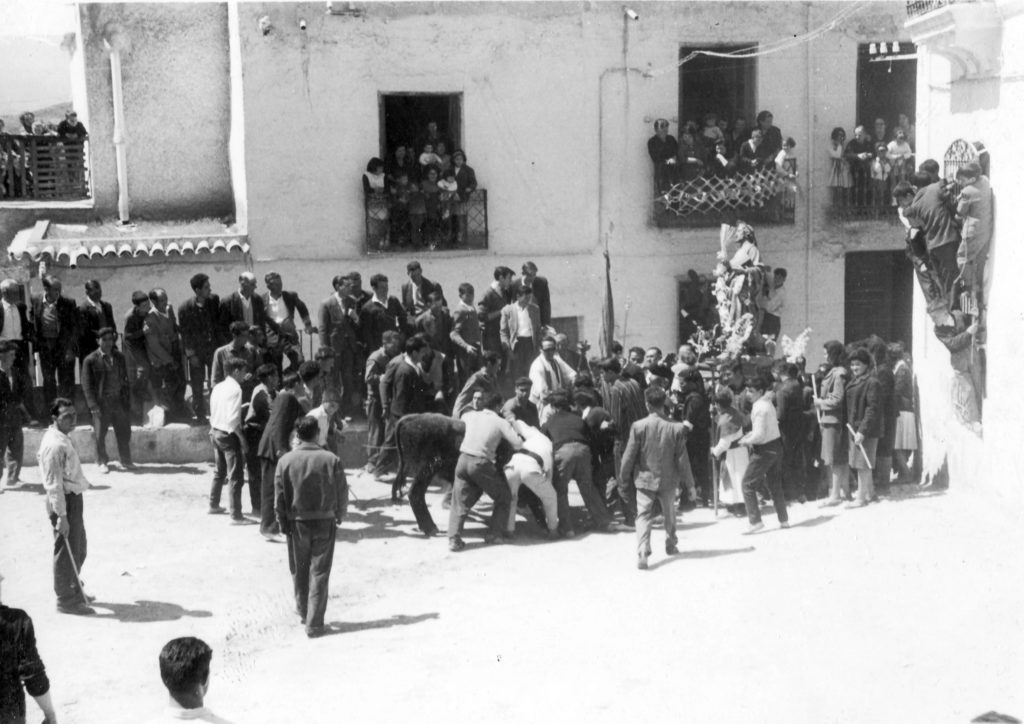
x=176 y=88
x=556 y=137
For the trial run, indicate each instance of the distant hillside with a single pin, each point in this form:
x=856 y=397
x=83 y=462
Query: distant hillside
x=53 y=114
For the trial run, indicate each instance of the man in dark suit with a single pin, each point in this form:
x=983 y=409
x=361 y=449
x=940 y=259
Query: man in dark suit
x=380 y=314
x=12 y=412
x=274 y=443
x=56 y=337
x=199 y=323
x=520 y=332
x=338 y=323
x=14 y=326
x=244 y=305
x=416 y=291
x=311 y=497
x=409 y=391
x=489 y=310
x=541 y=291
x=106 y=388
x=282 y=336
x=656 y=463
x=94 y=314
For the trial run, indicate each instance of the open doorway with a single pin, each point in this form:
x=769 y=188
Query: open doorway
x=886 y=85
x=404 y=119
x=879 y=296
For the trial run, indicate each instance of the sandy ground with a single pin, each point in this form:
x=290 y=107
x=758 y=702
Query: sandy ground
x=906 y=611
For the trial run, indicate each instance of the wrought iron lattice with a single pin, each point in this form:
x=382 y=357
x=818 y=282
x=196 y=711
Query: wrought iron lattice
x=390 y=227
x=757 y=195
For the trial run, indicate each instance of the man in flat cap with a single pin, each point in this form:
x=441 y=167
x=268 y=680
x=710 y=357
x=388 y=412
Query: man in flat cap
x=105 y=384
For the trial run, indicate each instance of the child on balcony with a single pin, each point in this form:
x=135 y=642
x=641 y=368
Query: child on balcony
x=448 y=189
x=428 y=158
x=881 y=173
x=839 y=177
x=901 y=155
x=711 y=134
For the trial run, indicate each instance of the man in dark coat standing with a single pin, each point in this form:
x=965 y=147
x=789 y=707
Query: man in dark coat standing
x=541 y=291
x=106 y=388
x=56 y=339
x=199 y=323
x=94 y=314
x=244 y=304
x=274 y=443
x=416 y=291
x=311 y=497
x=338 y=324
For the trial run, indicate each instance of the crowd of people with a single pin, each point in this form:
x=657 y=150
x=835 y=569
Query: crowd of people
x=16 y=162
x=641 y=434
x=418 y=196
x=864 y=170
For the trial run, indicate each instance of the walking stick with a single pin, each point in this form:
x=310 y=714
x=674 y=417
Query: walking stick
x=74 y=567
x=861 y=446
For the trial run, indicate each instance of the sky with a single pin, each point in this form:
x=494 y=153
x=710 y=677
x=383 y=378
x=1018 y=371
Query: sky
x=36 y=70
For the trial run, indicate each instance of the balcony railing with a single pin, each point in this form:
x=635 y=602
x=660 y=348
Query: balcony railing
x=394 y=224
x=42 y=168
x=917 y=8
x=763 y=196
x=868 y=199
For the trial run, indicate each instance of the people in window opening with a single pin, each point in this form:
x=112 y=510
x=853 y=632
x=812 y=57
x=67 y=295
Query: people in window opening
x=750 y=154
x=691 y=162
x=448 y=188
x=711 y=134
x=739 y=135
x=663 y=149
x=839 y=178
x=401 y=161
x=432 y=207
x=428 y=158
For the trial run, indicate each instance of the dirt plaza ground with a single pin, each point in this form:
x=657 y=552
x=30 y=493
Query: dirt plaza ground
x=905 y=611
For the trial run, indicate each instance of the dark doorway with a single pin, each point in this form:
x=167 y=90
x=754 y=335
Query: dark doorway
x=886 y=84
x=723 y=86
x=879 y=296
x=404 y=118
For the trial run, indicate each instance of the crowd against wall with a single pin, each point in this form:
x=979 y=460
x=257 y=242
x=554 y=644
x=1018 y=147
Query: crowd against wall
x=21 y=160
x=418 y=196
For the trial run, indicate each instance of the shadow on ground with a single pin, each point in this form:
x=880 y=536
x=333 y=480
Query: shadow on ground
x=374 y=524
x=698 y=554
x=146 y=611
x=343 y=627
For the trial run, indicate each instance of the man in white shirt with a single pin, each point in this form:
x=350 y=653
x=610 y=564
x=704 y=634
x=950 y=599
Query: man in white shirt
x=476 y=473
x=64 y=483
x=520 y=331
x=229 y=445
x=774 y=304
x=327 y=428
x=765 y=443
x=549 y=373
x=185 y=670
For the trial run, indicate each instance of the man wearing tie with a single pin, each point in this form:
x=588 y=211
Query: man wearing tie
x=416 y=290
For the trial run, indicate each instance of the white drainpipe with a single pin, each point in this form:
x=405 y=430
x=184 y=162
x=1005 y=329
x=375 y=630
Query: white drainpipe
x=113 y=43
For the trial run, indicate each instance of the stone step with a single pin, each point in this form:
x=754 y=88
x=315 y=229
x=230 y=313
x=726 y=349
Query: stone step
x=177 y=443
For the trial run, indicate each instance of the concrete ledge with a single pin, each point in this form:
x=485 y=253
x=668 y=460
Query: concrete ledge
x=176 y=443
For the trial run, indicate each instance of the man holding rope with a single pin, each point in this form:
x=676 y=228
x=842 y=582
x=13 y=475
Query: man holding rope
x=64 y=483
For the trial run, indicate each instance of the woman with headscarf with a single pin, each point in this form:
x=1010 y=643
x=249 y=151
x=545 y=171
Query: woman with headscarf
x=831 y=406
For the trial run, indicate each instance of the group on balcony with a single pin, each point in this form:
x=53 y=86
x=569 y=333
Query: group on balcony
x=42 y=158
x=864 y=170
x=419 y=200
x=717 y=165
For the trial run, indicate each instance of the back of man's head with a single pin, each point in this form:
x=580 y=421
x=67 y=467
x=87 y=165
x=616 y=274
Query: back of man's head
x=185 y=667
x=655 y=396
x=307 y=428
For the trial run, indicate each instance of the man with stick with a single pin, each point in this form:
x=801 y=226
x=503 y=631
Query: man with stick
x=864 y=422
x=64 y=483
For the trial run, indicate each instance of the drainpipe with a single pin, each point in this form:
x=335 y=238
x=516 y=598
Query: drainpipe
x=236 y=140
x=811 y=166
x=116 y=43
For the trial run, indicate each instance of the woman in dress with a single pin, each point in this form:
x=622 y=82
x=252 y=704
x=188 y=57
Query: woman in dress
x=831 y=406
x=839 y=178
x=864 y=417
x=374 y=187
x=731 y=461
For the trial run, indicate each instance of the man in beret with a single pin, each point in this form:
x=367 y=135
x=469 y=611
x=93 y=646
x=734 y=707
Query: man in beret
x=106 y=388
